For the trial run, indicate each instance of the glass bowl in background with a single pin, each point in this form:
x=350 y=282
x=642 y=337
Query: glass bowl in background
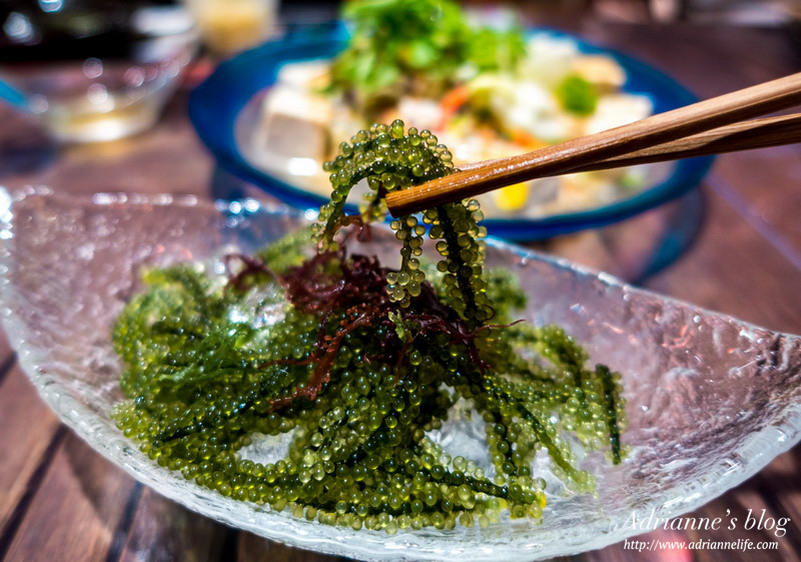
x=97 y=87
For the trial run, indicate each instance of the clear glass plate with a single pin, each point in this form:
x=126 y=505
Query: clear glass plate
x=711 y=400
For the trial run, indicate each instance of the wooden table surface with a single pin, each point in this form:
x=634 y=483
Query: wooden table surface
x=59 y=500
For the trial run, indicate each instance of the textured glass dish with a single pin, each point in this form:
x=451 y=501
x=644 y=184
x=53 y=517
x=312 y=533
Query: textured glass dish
x=225 y=108
x=711 y=400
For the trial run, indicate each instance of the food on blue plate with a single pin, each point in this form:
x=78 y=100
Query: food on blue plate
x=485 y=92
x=312 y=378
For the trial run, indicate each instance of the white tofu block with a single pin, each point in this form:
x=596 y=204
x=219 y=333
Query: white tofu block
x=420 y=112
x=304 y=75
x=600 y=70
x=615 y=110
x=548 y=58
x=296 y=123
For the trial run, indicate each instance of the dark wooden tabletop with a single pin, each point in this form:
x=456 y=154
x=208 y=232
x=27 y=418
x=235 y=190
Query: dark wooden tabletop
x=59 y=500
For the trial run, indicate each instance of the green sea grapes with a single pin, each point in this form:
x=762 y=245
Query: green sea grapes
x=357 y=366
x=391 y=160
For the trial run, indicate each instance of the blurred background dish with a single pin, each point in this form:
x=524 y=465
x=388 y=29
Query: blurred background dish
x=88 y=75
x=263 y=116
x=228 y=26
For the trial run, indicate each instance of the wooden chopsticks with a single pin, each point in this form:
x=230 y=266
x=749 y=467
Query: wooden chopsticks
x=707 y=127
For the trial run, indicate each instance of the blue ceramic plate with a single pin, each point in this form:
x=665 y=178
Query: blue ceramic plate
x=217 y=106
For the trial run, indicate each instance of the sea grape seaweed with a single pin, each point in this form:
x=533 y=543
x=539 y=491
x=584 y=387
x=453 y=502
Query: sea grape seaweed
x=361 y=362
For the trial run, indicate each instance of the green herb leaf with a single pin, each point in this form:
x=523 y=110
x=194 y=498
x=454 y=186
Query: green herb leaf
x=577 y=96
x=419 y=42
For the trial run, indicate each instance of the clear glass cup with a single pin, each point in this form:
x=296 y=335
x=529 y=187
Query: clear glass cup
x=229 y=26
x=117 y=93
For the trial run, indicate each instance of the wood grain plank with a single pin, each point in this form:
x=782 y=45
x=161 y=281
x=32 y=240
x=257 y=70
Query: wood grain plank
x=123 y=529
x=769 y=181
x=163 y=531
x=6 y=356
x=733 y=269
x=76 y=510
x=637 y=248
x=8 y=362
x=166 y=159
x=709 y=59
x=26 y=421
x=254 y=548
